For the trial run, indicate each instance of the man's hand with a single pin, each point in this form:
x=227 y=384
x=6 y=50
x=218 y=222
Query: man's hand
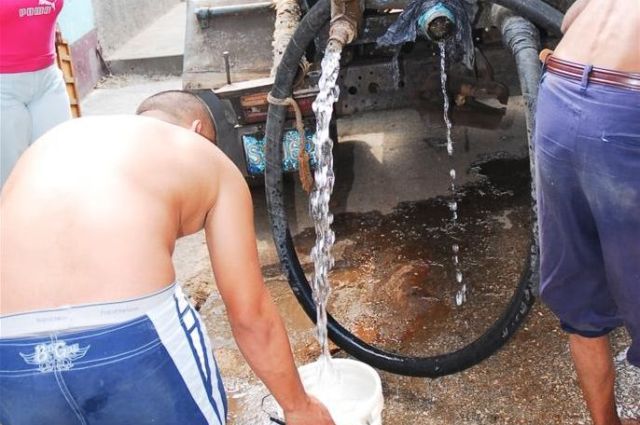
x=312 y=413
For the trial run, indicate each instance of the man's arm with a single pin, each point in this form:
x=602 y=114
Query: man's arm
x=576 y=9
x=255 y=321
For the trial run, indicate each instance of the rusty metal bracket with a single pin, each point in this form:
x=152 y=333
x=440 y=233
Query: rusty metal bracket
x=346 y=20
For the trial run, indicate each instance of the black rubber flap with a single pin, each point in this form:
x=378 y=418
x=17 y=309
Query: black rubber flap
x=226 y=133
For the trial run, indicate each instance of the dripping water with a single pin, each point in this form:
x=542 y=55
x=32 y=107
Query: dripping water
x=461 y=294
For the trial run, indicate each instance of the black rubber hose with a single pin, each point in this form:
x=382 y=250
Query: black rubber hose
x=537 y=11
x=307 y=29
x=523 y=39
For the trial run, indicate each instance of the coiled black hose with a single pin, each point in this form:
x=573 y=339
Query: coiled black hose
x=434 y=366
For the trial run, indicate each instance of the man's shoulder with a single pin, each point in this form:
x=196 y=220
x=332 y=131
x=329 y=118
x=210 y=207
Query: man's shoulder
x=147 y=141
x=116 y=122
x=96 y=127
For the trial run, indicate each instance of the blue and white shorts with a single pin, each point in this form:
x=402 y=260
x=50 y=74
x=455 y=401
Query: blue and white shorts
x=155 y=367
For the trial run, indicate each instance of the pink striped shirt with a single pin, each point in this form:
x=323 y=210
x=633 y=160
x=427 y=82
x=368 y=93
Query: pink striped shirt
x=27 y=34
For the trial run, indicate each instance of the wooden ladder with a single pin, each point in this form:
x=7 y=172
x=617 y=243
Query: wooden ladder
x=63 y=54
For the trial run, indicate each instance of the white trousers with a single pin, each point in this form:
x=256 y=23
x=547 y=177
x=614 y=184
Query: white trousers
x=31 y=103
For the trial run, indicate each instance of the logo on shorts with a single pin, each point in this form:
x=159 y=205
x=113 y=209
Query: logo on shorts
x=55 y=356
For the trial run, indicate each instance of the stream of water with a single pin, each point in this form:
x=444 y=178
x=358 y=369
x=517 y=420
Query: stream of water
x=461 y=294
x=319 y=200
x=323 y=261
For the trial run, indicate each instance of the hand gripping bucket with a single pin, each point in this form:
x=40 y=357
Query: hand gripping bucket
x=356 y=399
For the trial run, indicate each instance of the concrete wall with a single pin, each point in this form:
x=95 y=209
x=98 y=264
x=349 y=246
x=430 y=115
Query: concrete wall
x=78 y=28
x=118 y=20
x=98 y=27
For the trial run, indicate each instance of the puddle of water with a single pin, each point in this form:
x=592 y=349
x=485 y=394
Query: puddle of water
x=504 y=219
x=397 y=268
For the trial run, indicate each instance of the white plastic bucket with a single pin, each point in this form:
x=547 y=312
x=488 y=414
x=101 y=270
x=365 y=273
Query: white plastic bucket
x=355 y=399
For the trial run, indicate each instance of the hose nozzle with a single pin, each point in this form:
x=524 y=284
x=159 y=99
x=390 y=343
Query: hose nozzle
x=438 y=23
x=346 y=18
x=342 y=31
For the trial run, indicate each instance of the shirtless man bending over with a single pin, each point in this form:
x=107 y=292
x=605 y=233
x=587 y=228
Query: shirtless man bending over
x=587 y=143
x=93 y=328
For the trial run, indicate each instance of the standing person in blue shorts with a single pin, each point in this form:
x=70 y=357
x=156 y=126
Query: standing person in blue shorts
x=587 y=146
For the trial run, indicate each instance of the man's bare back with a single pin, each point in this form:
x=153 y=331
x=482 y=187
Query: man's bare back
x=92 y=211
x=90 y=215
x=602 y=33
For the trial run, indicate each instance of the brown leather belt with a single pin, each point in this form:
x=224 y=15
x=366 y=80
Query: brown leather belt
x=575 y=71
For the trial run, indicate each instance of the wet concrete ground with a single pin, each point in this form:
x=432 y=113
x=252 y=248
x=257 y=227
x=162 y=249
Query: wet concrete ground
x=402 y=262
x=393 y=283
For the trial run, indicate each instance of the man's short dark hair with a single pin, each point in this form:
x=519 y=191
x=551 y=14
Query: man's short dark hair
x=185 y=107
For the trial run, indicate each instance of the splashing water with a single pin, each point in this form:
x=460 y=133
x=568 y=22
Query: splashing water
x=461 y=294
x=319 y=200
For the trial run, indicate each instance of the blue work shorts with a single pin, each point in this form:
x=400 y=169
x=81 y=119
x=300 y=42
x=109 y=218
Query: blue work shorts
x=587 y=148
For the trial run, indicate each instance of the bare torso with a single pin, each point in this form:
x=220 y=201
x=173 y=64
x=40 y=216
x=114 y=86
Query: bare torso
x=91 y=213
x=93 y=209
x=605 y=34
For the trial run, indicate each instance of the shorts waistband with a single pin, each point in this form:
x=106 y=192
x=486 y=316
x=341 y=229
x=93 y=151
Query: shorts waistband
x=82 y=316
x=576 y=71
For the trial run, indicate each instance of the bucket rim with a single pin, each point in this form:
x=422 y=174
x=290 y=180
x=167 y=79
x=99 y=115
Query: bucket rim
x=376 y=396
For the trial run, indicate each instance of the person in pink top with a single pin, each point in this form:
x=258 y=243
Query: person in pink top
x=33 y=97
